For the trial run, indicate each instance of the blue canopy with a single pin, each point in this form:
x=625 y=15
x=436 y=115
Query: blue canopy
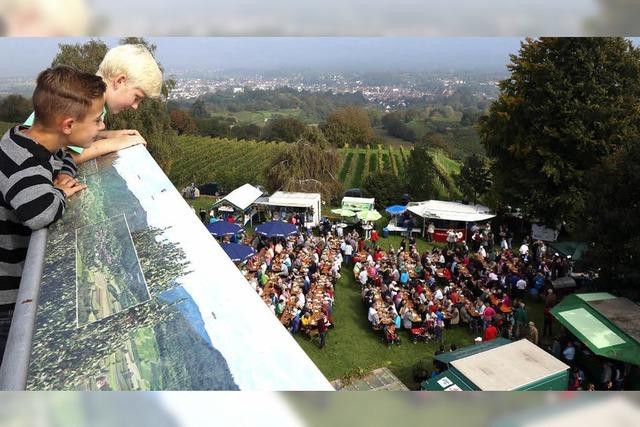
x=276 y=229
x=238 y=252
x=396 y=209
x=223 y=228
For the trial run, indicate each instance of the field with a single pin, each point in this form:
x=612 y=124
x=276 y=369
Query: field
x=233 y=163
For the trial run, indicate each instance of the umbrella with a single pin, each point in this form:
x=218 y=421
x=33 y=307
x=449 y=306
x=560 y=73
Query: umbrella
x=343 y=212
x=223 y=228
x=238 y=252
x=276 y=229
x=396 y=209
x=369 y=215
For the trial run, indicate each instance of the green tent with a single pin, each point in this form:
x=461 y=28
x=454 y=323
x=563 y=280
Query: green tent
x=575 y=249
x=449 y=380
x=450 y=356
x=609 y=326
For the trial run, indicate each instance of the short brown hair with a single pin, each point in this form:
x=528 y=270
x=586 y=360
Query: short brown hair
x=65 y=91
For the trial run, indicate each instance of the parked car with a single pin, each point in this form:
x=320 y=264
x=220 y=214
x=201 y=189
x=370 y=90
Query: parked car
x=210 y=189
x=353 y=192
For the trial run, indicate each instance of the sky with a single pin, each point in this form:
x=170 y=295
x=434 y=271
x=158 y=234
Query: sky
x=24 y=57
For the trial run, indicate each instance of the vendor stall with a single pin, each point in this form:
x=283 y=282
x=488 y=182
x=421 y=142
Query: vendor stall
x=238 y=204
x=500 y=365
x=283 y=204
x=607 y=325
x=448 y=215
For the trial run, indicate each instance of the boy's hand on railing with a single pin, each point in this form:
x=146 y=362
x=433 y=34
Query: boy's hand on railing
x=128 y=141
x=105 y=134
x=67 y=184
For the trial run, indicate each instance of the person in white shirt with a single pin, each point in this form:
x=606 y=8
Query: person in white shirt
x=524 y=249
x=482 y=252
x=503 y=244
x=363 y=277
x=373 y=316
x=348 y=251
x=438 y=295
x=521 y=286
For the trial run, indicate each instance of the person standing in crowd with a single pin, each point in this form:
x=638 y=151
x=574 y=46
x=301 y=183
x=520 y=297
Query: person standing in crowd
x=430 y=230
x=323 y=327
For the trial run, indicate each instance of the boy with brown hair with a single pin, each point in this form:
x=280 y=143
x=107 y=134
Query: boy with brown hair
x=37 y=174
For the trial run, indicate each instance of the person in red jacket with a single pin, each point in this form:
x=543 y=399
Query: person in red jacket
x=374 y=237
x=490 y=333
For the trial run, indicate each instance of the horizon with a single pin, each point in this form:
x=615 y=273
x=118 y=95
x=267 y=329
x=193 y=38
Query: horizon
x=269 y=54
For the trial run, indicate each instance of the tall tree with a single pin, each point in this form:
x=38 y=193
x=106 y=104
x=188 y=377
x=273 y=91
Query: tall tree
x=81 y=56
x=15 y=109
x=474 y=179
x=305 y=167
x=611 y=222
x=288 y=129
x=348 y=125
x=421 y=174
x=385 y=187
x=568 y=103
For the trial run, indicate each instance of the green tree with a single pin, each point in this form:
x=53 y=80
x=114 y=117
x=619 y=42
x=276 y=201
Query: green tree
x=348 y=125
x=421 y=174
x=288 y=129
x=385 y=187
x=15 y=109
x=568 y=103
x=81 y=56
x=474 y=179
x=305 y=167
x=199 y=110
x=611 y=222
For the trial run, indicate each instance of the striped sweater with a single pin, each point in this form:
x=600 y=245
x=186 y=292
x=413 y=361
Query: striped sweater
x=28 y=201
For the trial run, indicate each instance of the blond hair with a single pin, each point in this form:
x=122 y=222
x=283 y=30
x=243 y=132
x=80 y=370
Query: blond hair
x=137 y=64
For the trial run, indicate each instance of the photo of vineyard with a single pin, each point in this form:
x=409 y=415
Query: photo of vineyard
x=109 y=277
x=233 y=163
x=135 y=296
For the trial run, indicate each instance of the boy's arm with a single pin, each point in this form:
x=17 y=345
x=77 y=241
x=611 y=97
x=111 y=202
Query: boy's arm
x=68 y=164
x=36 y=202
x=106 y=146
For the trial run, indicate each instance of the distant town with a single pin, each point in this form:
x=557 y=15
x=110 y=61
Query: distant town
x=388 y=89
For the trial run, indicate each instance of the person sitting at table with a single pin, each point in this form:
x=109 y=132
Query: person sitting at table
x=404 y=277
x=454 y=314
x=373 y=317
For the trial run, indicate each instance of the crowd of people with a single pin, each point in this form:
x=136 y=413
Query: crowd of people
x=296 y=278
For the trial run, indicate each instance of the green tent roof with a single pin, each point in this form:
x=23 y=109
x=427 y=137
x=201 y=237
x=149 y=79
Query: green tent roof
x=449 y=380
x=604 y=323
x=575 y=249
x=463 y=352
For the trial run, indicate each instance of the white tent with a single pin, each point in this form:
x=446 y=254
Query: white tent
x=449 y=211
x=296 y=200
x=243 y=197
x=241 y=200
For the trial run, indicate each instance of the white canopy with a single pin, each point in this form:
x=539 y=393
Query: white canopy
x=242 y=197
x=509 y=367
x=452 y=211
x=301 y=200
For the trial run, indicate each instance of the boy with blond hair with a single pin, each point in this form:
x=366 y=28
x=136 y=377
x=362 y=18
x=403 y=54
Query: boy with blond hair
x=37 y=174
x=131 y=75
